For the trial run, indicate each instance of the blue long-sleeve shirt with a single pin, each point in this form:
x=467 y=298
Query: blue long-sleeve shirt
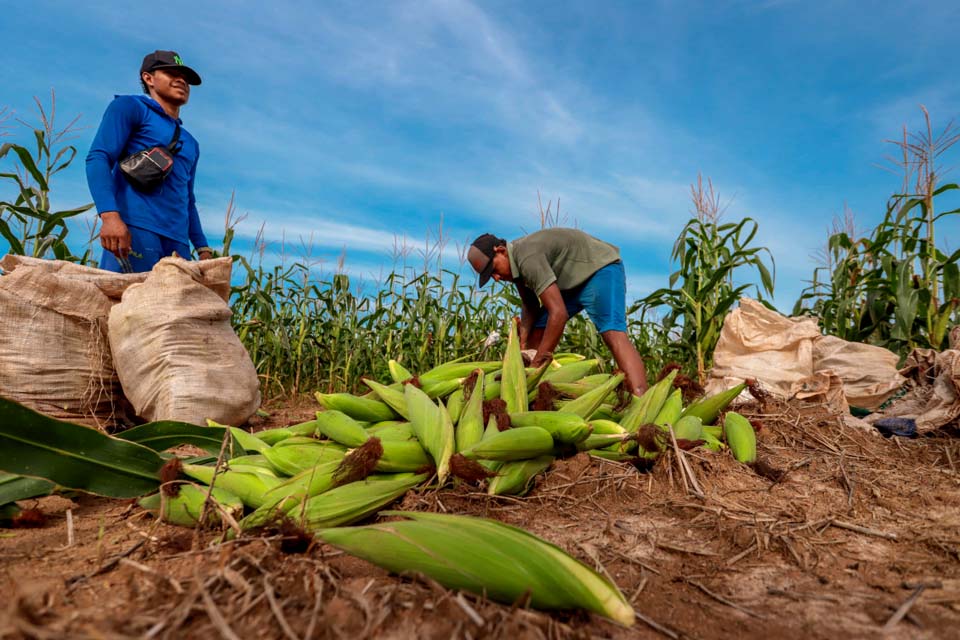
x=132 y=123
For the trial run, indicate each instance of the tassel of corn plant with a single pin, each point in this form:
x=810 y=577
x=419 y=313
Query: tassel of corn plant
x=469 y=429
x=349 y=503
x=709 y=408
x=513 y=444
x=185 y=508
x=484 y=557
x=431 y=423
x=566 y=428
x=513 y=379
x=391 y=396
x=515 y=478
x=585 y=405
x=740 y=436
x=249 y=486
x=358 y=408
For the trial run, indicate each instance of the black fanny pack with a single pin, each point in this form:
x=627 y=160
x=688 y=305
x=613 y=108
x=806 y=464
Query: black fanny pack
x=146 y=169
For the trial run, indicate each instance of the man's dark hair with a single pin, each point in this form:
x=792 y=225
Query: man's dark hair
x=143 y=84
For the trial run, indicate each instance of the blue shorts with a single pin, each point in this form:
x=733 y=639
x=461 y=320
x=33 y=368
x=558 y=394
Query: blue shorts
x=603 y=295
x=146 y=249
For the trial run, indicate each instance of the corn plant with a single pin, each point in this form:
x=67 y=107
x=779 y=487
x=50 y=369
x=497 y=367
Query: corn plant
x=27 y=222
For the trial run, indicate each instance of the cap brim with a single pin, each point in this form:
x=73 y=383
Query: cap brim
x=192 y=76
x=486 y=273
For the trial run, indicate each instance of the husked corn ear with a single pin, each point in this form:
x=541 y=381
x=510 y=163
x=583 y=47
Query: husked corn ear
x=513 y=379
x=707 y=409
x=688 y=428
x=469 y=429
x=341 y=428
x=392 y=430
x=402 y=455
x=355 y=501
x=741 y=438
x=571 y=372
x=585 y=405
x=249 y=486
x=358 y=408
x=671 y=410
x=513 y=444
x=391 y=396
x=293 y=459
x=185 y=508
x=515 y=478
x=567 y=428
x=644 y=410
x=433 y=427
x=398 y=372
x=485 y=557
x=457 y=370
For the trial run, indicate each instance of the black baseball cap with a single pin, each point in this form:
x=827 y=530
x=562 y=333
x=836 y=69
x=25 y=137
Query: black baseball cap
x=168 y=60
x=481 y=252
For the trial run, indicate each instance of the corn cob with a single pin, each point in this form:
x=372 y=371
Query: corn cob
x=355 y=501
x=567 y=428
x=392 y=430
x=469 y=429
x=688 y=428
x=513 y=380
x=644 y=410
x=341 y=428
x=294 y=459
x=671 y=410
x=512 y=444
x=485 y=557
x=534 y=375
x=299 y=441
x=286 y=497
x=710 y=441
x=491 y=389
x=390 y=395
x=254 y=460
x=572 y=371
x=457 y=370
x=440 y=388
x=566 y=357
x=713 y=430
x=271 y=437
x=363 y=409
x=515 y=478
x=433 y=428
x=266 y=470
x=250 y=487
x=585 y=405
x=606 y=411
x=304 y=429
x=455 y=405
x=402 y=455
x=708 y=409
x=398 y=372
x=185 y=508
x=247 y=441
x=615 y=456
x=740 y=436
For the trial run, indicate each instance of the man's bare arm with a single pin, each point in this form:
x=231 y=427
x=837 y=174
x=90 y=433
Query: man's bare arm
x=557 y=317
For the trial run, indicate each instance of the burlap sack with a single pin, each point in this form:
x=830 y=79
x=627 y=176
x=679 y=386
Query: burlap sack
x=54 y=353
x=869 y=373
x=175 y=351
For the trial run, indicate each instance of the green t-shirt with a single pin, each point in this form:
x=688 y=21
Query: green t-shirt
x=565 y=256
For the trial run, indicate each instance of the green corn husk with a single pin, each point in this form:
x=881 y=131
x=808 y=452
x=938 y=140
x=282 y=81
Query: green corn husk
x=398 y=372
x=713 y=430
x=485 y=557
x=708 y=409
x=534 y=376
x=566 y=357
x=644 y=410
x=671 y=410
x=571 y=372
x=362 y=409
x=469 y=429
x=566 y=428
x=711 y=442
x=574 y=389
x=295 y=441
x=437 y=389
x=740 y=436
x=392 y=430
x=341 y=428
x=491 y=389
x=515 y=478
x=271 y=437
x=606 y=411
x=286 y=497
x=390 y=395
x=185 y=508
x=250 y=487
x=248 y=441
x=267 y=470
x=433 y=427
x=513 y=444
x=585 y=405
x=615 y=456
x=457 y=370
x=355 y=501
x=253 y=460
x=455 y=405
x=688 y=428
x=513 y=379
x=306 y=429
x=601 y=441
x=399 y=456
x=294 y=459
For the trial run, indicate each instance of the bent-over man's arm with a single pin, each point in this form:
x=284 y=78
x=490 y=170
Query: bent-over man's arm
x=557 y=317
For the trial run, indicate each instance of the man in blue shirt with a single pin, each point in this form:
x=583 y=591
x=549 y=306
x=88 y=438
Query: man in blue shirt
x=138 y=228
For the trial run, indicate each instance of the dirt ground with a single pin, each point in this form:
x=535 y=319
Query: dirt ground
x=859 y=538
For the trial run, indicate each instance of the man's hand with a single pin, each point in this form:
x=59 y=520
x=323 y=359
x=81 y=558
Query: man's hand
x=114 y=234
x=205 y=255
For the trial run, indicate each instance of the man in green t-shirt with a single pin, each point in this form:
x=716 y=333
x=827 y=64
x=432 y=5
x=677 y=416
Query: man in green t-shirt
x=558 y=273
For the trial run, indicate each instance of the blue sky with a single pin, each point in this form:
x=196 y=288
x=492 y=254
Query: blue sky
x=362 y=123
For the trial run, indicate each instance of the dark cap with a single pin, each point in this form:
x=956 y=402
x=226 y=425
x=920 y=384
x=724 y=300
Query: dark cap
x=482 y=248
x=168 y=60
